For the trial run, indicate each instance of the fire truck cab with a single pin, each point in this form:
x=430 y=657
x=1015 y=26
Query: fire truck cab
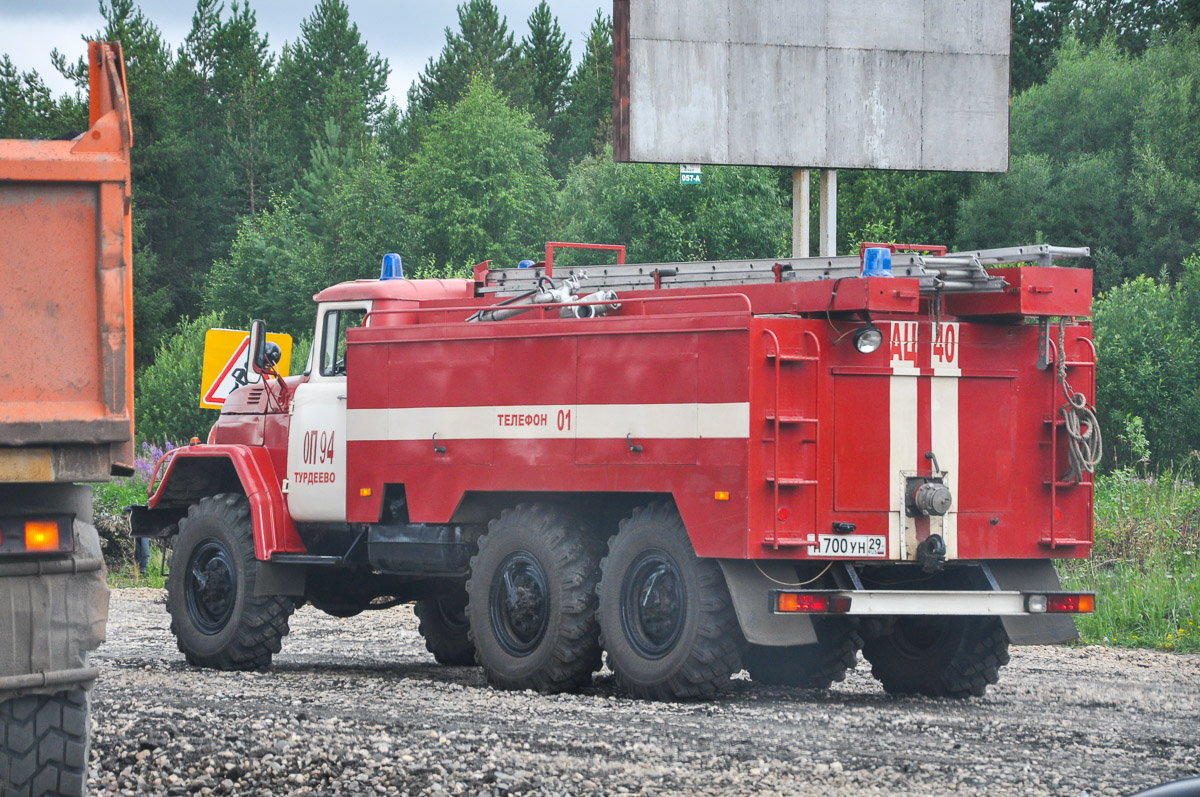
x=693 y=468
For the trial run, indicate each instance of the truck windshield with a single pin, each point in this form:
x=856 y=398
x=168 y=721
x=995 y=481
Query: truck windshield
x=333 y=345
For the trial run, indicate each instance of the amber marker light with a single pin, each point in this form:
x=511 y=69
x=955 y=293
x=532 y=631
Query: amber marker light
x=41 y=535
x=364 y=492
x=721 y=495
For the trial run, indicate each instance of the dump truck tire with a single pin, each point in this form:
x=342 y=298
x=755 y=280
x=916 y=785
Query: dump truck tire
x=44 y=745
x=939 y=656
x=667 y=622
x=444 y=627
x=815 y=666
x=216 y=618
x=531 y=601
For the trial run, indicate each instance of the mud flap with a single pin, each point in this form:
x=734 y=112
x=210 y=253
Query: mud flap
x=750 y=584
x=1034 y=575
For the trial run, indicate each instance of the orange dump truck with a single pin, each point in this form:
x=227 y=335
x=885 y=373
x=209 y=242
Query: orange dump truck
x=66 y=419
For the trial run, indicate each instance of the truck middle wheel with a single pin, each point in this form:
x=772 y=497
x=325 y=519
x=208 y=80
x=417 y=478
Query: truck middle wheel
x=444 y=627
x=666 y=618
x=216 y=617
x=939 y=656
x=814 y=666
x=531 y=600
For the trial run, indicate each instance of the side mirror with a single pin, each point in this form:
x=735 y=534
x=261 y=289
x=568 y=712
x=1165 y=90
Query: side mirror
x=258 y=344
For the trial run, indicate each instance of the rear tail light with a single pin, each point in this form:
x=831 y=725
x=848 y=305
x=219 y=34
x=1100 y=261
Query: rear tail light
x=1062 y=603
x=36 y=535
x=811 y=602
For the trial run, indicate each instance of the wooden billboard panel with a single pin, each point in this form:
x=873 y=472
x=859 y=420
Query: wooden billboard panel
x=875 y=84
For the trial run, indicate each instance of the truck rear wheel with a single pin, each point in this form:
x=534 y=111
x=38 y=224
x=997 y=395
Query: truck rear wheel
x=814 y=666
x=44 y=745
x=216 y=617
x=666 y=618
x=532 y=600
x=446 y=631
x=939 y=656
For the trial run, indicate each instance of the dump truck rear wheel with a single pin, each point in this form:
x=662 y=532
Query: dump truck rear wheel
x=446 y=631
x=532 y=600
x=44 y=744
x=939 y=656
x=814 y=666
x=666 y=618
x=216 y=617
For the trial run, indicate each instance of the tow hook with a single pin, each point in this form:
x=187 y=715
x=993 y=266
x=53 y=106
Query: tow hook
x=931 y=554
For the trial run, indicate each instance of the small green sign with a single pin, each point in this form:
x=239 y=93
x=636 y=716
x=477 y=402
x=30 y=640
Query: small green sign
x=689 y=175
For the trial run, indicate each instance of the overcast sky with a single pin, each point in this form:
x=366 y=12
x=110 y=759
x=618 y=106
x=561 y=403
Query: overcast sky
x=405 y=32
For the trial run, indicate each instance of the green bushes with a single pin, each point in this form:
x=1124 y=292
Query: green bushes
x=1145 y=566
x=1148 y=377
x=168 y=390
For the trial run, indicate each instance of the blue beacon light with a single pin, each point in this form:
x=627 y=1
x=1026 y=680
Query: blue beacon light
x=877 y=262
x=392 y=269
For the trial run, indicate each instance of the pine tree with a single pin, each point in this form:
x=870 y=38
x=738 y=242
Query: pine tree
x=483 y=46
x=587 y=119
x=244 y=81
x=329 y=74
x=548 y=58
x=27 y=109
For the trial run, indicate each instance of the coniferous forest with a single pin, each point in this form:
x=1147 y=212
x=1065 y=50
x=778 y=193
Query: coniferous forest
x=264 y=171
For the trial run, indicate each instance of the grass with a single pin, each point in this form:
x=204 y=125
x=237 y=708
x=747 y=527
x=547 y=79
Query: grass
x=1145 y=568
x=127 y=576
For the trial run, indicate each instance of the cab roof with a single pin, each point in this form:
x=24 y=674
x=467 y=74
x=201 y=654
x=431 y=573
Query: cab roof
x=398 y=289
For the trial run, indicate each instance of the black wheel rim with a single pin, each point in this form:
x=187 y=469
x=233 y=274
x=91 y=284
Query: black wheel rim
x=519 y=603
x=211 y=586
x=914 y=638
x=653 y=604
x=453 y=614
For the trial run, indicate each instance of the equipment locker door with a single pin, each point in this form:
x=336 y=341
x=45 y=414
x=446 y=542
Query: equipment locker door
x=317 y=435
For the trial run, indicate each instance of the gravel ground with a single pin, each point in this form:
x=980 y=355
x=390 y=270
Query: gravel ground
x=358 y=707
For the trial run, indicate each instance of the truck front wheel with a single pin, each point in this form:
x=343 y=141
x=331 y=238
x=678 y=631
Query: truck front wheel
x=814 y=666
x=939 y=656
x=446 y=631
x=531 y=600
x=666 y=618
x=216 y=617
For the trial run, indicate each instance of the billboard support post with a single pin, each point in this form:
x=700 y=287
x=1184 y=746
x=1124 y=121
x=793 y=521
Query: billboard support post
x=828 y=210
x=800 y=212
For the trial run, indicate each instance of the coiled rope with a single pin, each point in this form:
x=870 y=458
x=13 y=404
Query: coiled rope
x=1085 y=443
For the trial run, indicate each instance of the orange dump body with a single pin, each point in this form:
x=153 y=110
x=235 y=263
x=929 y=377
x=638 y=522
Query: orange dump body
x=66 y=294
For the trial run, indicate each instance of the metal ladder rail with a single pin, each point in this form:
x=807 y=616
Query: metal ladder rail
x=1055 y=421
x=777 y=417
x=643 y=276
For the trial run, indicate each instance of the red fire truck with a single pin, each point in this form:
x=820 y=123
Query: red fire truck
x=691 y=467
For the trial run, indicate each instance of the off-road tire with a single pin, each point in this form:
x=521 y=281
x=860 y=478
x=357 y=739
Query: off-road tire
x=44 y=745
x=939 y=656
x=444 y=626
x=699 y=643
x=524 y=541
x=814 y=666
x=251 y=629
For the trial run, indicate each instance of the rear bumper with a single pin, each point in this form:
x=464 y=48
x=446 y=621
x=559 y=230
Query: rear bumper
x=946 y=603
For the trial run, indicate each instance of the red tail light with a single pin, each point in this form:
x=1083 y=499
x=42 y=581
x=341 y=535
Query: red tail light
x=1084 y=603
x=812 y=602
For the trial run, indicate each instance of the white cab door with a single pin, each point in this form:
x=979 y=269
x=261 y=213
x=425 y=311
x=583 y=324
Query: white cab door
x=317 y=435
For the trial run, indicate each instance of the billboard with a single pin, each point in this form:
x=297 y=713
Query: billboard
x=862 y=84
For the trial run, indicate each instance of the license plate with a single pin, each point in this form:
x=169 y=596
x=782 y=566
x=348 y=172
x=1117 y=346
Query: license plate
x=857 y=546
